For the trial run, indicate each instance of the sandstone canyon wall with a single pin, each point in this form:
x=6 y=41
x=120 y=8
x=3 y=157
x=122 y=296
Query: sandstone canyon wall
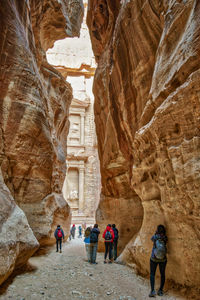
x=34 y=105
x=147 y=114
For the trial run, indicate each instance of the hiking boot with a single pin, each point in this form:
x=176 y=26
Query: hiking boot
x=152 y=294
x=160 y=293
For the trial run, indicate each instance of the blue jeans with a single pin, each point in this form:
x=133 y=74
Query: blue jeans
x=93 y=252
x=87 y=248
x=153 y=267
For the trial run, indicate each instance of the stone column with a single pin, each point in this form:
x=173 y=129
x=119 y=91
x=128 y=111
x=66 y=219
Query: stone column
x=82 y=129
x=81 y=189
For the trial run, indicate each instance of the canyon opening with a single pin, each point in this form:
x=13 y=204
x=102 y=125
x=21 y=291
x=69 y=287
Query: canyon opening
x=99 y=119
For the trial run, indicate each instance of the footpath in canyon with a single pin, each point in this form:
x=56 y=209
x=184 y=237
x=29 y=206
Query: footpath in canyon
x=68 y=275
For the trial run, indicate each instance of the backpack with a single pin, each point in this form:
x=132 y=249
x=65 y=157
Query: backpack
x=93 y=237
x=59 y=233
x=116 y=234
x=160 y=249
x=108 y=236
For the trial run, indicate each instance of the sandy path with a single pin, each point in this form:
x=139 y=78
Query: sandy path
x=68 y=276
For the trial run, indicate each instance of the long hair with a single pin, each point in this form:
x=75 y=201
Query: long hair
x=161 y=229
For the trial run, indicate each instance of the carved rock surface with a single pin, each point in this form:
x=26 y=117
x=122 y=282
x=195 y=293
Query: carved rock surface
x=34 y=105
x=147 y=114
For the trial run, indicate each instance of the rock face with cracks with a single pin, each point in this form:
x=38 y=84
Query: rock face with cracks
x=34 y=105
x=17 y=241
x=147 y=118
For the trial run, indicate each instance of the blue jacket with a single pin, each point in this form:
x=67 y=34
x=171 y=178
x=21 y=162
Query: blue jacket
x=87 y=240
x=56 y=232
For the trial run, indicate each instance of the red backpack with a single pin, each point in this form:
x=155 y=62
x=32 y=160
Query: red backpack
x=59 y=233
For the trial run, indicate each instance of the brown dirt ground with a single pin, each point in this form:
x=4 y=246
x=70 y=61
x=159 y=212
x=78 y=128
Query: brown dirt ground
x=69 y=276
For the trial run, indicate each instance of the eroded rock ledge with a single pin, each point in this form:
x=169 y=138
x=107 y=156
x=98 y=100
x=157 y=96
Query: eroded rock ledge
x=147 y=118
x=33 y=125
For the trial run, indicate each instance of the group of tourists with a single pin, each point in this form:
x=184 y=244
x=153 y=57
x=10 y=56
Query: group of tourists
x=110 y=236
x=73 y=231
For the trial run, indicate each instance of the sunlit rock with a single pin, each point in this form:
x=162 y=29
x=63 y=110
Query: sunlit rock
x=147 y=118
x=34 y=106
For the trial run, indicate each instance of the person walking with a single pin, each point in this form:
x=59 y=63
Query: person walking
x=158 y=257
x=94 y=235
x=87 y=242
x=59 y=235
x=73 y=231
x=80 y=231
x=108 y=236
x=115 y=241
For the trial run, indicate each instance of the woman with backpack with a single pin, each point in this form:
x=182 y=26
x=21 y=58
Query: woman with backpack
x=158 y=257
x=108 y=236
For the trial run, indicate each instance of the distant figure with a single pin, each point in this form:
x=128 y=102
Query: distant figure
x=72 y=231
x=158 y=257
x=115 y=241
x=79 y=231
x=94 y=235
x=87 y=242
x=108 y=236
x=59 y=235
x=83 y=226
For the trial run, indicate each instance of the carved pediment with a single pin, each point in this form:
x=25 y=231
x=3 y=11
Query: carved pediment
x=78 y=103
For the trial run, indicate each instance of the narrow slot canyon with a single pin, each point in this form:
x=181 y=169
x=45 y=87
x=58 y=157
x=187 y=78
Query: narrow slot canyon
x=99 y=123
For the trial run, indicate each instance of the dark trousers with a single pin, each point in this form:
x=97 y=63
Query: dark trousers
x=60 y=242
x=115 y=249
x=153 y=267
x=108 y=248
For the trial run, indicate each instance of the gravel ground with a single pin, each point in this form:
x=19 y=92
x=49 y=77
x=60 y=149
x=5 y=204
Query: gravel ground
x=67 y=275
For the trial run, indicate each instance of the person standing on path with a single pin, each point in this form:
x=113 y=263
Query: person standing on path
x=158 y=257
x=108 y=236
x=115 y=241
x=94 y=235
x=80 y=231
x=87 y=242
x=59 y=235
x=72 y=231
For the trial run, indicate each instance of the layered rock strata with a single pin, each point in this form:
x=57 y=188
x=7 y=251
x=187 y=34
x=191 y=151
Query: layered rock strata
x=17 y=241
x=147 y=118
x=34 y=105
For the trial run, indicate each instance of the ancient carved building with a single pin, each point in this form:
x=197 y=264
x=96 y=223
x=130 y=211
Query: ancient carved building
x=74 y=59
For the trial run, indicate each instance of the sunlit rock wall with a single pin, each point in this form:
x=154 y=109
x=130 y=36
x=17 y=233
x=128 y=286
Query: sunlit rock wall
x=33 y=124
x=147 y=114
